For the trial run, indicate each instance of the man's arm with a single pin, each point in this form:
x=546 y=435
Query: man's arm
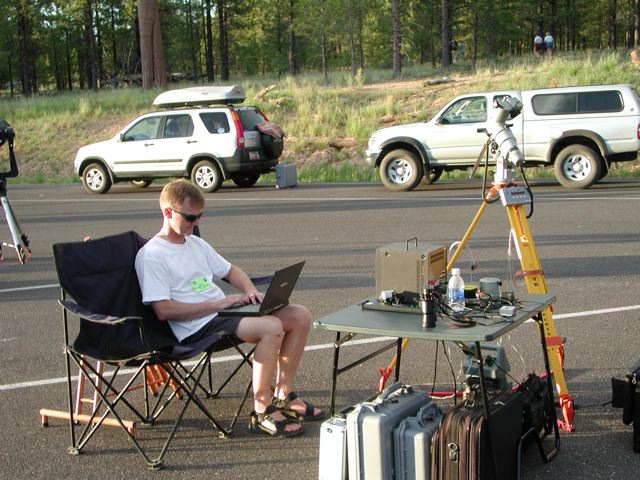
x=242 y=282
x=181 y=311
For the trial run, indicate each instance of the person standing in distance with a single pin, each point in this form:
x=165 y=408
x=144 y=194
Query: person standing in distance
x=177 y=272
x=548 y=44
x=537 y=44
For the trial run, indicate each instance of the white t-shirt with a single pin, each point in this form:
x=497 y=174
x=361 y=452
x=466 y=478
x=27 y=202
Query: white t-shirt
x=182 y=272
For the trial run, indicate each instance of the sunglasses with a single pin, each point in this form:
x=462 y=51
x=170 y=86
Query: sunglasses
x=189 y=217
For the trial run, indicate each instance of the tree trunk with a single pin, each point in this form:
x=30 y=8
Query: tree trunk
x=323 y=42
x=613 y=28
x=636 y=37
x=209 y=43
x=352 y=45
x=223 y=35
x=151 y=50
x=293 y=67
x=445 y=35
x=90 y=45
x=397 y=38
x=360 y=50
x=192 y=44
x=24 y=31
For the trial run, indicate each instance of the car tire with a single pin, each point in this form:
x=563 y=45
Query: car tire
x=273 y=147
x=206 y=176
x=246 y=181
x=401 y=170
x=96 y=179
x=433 y=175
x=578 y=167
x=140 y=183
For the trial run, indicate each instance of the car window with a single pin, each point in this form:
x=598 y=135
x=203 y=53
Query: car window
x=466 y=110
x=606 y=101
x=216 y=122
x=145 y=129
x=555 y=103
x=583 y=102
x=250 y=117
x=176 y=126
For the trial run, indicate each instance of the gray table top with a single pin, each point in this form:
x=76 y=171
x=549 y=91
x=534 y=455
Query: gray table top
x=355 y=319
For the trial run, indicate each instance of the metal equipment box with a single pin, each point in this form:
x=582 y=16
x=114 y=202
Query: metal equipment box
x=286 y=175
x=409 y=266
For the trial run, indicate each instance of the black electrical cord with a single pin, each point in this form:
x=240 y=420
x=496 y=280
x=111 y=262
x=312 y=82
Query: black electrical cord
x=453 y=373
x=526 y=184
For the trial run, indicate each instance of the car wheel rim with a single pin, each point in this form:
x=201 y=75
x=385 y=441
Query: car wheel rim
x=577 y=168
x=399 y=171
x=205 y=177
x=94 y=179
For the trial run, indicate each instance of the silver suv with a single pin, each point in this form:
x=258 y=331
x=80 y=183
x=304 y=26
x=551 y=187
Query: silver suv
x=579 y=131
x=209 y=141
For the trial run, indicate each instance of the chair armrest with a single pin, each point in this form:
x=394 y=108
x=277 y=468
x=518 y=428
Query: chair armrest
x=85 y=314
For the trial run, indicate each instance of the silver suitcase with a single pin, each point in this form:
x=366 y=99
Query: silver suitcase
x=332 y=463
x=286 y=175
x=412 y=443
x=370 y=431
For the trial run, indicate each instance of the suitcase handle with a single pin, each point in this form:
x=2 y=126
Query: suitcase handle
x=415 y=240
x=387 y=392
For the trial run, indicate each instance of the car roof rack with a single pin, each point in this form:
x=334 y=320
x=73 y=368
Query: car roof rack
x=200 y=96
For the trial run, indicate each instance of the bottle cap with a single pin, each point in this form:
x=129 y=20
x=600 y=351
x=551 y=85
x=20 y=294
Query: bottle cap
x=455 y=271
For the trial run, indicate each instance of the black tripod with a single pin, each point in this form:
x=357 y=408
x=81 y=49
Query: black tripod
x=20 y=240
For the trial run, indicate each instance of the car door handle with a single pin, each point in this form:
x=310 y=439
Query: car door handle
x=148 y=144
x=192 y=141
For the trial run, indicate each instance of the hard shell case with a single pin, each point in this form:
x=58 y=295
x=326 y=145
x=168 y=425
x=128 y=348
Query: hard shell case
x=370 y=430
x=461 y=446
x=332 y=463
x=413 y=443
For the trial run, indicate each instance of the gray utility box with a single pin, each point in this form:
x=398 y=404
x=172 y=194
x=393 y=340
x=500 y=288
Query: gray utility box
x=286 y=175
x=409 y=266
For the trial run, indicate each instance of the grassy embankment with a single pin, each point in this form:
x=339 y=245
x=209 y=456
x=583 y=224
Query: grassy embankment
x=327 y=123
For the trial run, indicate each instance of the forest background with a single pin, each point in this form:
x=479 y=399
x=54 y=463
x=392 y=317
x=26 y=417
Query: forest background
x=339 y=68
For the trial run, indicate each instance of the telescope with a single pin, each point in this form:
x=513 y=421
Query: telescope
x=507 y=154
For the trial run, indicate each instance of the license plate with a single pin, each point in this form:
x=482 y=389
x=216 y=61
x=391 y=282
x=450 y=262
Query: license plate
x=254 y=155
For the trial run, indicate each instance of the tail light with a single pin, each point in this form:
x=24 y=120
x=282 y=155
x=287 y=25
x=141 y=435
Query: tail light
x=638 y=132
x=239 y=129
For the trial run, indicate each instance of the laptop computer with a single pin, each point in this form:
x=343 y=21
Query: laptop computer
x=277 y=295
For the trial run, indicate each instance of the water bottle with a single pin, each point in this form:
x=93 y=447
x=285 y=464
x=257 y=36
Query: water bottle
x=455 y=291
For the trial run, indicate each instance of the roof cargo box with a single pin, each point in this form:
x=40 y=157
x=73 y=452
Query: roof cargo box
x=193 y=96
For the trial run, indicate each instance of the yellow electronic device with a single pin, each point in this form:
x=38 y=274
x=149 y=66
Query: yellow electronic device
x=409 y=266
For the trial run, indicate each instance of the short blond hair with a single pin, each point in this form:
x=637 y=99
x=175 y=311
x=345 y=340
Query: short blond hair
x=177 y=191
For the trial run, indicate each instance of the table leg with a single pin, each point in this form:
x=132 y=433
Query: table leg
x=334 y=373
x=398 y=358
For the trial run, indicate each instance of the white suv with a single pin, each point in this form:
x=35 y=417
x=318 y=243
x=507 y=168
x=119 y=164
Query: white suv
x=580 y=131
x=210 y=141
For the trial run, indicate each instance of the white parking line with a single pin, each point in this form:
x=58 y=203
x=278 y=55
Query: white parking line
x=324 y=346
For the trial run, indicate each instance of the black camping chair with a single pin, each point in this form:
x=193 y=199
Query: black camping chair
x=116 y=328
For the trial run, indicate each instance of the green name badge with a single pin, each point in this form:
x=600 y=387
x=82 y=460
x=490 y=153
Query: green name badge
x=200 y=284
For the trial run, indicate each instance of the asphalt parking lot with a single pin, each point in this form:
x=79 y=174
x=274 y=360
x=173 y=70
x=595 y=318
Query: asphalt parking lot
x=587 y=241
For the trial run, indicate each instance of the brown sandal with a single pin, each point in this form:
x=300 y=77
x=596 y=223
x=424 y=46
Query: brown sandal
x=282 y=404
x=264 y=423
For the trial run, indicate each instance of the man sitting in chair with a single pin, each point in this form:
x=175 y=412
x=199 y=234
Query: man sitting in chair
x=176 y=271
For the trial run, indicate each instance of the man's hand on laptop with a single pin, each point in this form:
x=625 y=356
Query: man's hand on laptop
x=254 y=296
x=234 y=300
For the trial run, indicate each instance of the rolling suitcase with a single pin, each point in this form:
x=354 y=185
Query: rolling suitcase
x=626 y=395
x=332 y=463
x=412 y=443
x=370 y=431
x=461 y=445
